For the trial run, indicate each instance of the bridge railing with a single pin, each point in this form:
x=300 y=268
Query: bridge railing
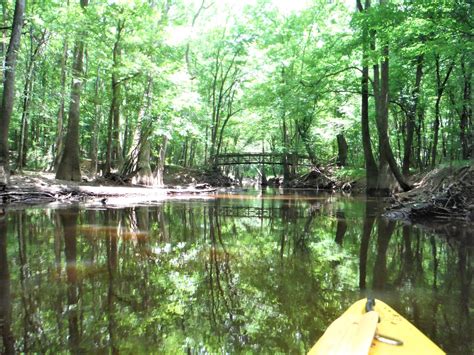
x=260 y=159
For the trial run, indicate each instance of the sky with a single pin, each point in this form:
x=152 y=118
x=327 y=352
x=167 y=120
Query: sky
x=285 y=6
x=182 y=34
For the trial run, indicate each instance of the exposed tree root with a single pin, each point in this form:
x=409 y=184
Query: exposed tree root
x=443 y=194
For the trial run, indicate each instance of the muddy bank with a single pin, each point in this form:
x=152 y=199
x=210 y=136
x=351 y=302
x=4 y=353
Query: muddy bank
x=443 y=194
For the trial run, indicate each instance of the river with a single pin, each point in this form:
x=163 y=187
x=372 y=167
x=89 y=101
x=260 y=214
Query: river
x=242 y=271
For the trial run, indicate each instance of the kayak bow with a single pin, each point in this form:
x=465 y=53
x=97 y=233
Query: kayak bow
x=372 y=327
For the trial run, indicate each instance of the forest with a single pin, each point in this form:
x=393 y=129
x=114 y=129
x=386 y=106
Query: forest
x=229 y=176
x=129 y=86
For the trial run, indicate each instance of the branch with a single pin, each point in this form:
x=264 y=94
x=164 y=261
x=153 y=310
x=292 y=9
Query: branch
x=329 y=75
x=134 y=75
x=399 y=104
x=188 y=45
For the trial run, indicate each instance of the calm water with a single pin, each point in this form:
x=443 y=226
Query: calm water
x=239 y=273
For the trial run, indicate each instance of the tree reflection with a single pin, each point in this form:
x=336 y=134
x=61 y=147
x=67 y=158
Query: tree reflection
x=385 y=230
x=112 y=256
x=5 y=297
x=341 y=227
x=266 y=276
x=223 y=293
x=368 y=223
x=68 y=220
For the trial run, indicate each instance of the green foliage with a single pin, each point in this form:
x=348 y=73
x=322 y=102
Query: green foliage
x=349 y=174
x=290 y=79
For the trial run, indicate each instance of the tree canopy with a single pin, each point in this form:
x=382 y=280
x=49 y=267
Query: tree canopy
x=179 y=82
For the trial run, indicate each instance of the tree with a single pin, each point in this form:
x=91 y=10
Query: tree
x=371 y=169
x=69 y=164
x=412 y=111
x=37 y=42
x=221 y=84
x=114 y=158
x=8 y=95
x=466 y=113
x=60 y=123
x=288 y=80
x=440 y=87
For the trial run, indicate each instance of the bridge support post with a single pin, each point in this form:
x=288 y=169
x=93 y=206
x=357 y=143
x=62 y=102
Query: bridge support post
x=263 y=181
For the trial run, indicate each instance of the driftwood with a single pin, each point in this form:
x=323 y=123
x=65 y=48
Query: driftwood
x=316 y=178
x=191 y=191
x=27 y=197
x=443 y=195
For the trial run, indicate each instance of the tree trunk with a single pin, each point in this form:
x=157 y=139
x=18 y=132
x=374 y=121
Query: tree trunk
x=466 y=113
x=185 y=152
x=436 y=123
x=4 y=39
x=60 y=123
x=8 y=95
x=96 y=126
x=302 y=129
x=371 y=170
x=160 y=166
x=192 y=152
x=384 y=177
x=69 y=164
x=411 y=117
x=419 y=131
x=206 y=147
x=381 y=93
x=114 y=159
x=142 y=148
x=126 y=132
x=286 y=163
x=342 y=149
x=117 y=158
x=27 y=92
x=22 y=144
x=145 y=175
x=440 y=86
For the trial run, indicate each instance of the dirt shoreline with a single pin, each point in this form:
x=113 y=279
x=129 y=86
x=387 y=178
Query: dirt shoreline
x=442 y=195
x=38 y=188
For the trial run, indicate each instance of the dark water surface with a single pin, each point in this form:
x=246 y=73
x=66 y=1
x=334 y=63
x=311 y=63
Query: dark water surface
x=238 y=273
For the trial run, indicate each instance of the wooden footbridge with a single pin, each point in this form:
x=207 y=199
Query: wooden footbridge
x=261 y=159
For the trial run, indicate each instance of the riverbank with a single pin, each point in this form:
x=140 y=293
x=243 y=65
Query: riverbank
x=33 y=188
x=445 y=193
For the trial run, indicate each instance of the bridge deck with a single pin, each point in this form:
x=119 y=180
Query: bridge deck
x=260 y=159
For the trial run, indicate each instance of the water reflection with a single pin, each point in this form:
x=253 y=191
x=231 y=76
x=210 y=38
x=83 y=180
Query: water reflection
x=68 y=221
x=231 y=275
x=5 y=299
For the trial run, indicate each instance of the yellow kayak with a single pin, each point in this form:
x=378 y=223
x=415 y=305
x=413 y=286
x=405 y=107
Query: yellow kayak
x=372 y=327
